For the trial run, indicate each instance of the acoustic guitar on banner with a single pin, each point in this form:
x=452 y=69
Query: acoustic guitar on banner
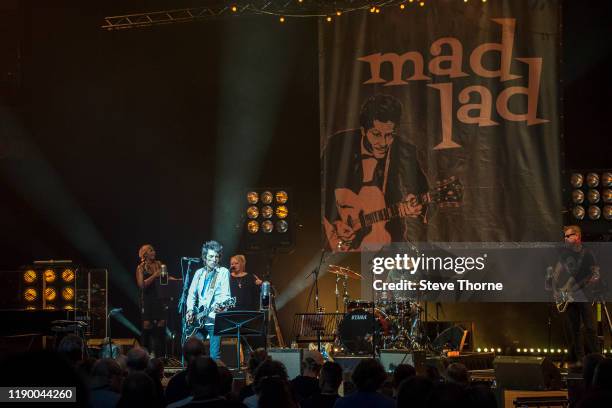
x=366 y=213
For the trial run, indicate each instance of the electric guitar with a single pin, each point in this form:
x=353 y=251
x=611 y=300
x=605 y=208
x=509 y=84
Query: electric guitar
x=201 y=314
x=366 y=213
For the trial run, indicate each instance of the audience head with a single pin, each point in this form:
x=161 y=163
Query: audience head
x=203 y=377
x=330 y=377
x=414 y=392
x=448 y=395
x=72 y=347
x=138 y=391
x=369 y=375
x=457 y=373
x=312 y=361
x=275 y=392
x=589 y=363
x=255 y=359
x=137 y=359
x=480 y=396
x=155 y=368
x=107 y=372
x=268 y=369
x=401 y=373
x=193 y=348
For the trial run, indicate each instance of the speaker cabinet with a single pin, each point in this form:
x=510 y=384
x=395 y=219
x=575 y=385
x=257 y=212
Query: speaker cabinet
x=291 y=358
x=526 y=373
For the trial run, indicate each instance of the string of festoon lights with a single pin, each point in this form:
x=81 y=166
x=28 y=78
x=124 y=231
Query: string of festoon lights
x=283 y=10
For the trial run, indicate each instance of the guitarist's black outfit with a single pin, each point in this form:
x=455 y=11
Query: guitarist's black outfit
x=579 y=265
x=343 y=168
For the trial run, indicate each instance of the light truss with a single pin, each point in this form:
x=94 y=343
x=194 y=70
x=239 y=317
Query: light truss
x=286 y=8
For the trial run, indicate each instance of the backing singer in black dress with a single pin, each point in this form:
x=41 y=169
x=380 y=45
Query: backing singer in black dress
x=152 y=308
x=245 y=287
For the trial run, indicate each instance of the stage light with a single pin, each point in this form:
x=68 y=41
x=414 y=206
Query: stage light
x=565 y=351
x=68 y=293
x=518 y=350
x=545 y=351
x=499 y=350
x=607 y=212
x=282 y=226
x=558 y=350
x=539 y=350
x=29 y=276
x=267 y=226
x=486 y=350
x=524 y=350
x=577 y=197
x=253 y=227
x=49 y=275
x=372 y=9
x=281 y=197
x=578 y=212
x=594 y=212
x=328 y=19
x=68 y=307
x=576 y=180
x=606 y=195
x=402 y=6
x=377 y=10
x=479 y=349
x=531 y=350
x=281 y=19
x=267 y=212
x=30 y=294
x=422 y=3
x=606 y=179
x=338 y=13
x=266 y=197
x=50 y=307
x=252 y=212
x=282 y=211
x=592 y=180
x=50 y=294
x=234 y=8
x=252 y=197
x=593 y=196
x=68 y=275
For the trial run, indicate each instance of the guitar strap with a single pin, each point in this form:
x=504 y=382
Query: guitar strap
x=386 y=173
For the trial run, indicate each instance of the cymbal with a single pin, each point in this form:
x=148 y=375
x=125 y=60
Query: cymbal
x=340 y=270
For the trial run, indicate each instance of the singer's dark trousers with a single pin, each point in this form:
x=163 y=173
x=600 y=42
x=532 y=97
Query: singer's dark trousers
x=581 y=314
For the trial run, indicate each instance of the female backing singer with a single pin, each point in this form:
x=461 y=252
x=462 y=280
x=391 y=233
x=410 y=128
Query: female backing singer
x=148 y=273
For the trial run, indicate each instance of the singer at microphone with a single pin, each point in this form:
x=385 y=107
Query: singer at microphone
x=149 y=273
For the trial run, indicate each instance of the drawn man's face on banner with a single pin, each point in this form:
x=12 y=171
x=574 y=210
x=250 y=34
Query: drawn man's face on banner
x=379 y=137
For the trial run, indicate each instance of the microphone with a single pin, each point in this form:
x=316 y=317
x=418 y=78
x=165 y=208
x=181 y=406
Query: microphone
x=265 y=295
x=186 y=258
x=163 y=275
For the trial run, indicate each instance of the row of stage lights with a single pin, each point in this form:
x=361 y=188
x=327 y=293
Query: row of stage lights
x=56 y=287
x=519 y=350
x=264 y=209
x=595 y=190
x=373 y=9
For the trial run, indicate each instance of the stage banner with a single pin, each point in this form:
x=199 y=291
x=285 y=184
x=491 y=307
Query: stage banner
x=441 y=123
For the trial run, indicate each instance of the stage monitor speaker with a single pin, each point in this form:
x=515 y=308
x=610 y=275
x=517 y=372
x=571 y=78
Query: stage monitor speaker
x=291 y=358
x=390 y=359
x=526 y=373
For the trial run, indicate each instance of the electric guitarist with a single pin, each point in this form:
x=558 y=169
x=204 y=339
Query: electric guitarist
x=578 y=265
x=209 y=288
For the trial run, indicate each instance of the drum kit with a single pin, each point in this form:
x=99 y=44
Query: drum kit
x=368 y=326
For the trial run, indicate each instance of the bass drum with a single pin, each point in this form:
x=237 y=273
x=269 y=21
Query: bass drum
x=359 y=329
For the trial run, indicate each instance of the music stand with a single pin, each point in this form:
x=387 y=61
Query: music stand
x=239 y=323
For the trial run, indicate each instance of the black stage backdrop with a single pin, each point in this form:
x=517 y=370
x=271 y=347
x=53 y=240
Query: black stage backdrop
x=480 y=97
x=128 y=122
